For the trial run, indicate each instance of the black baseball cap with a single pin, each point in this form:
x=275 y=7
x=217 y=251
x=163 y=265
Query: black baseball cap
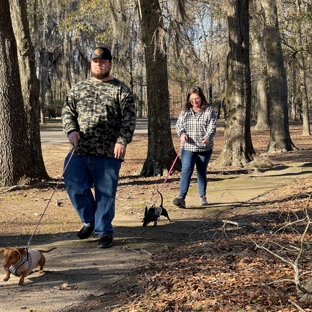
x=101 y=53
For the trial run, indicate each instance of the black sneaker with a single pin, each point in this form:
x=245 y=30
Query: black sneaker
x=180 y=202
x=85 y=231
x=105 y=241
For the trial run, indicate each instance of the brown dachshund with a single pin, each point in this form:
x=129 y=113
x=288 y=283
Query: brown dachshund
x=20 y=262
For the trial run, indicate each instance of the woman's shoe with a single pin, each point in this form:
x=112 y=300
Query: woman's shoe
x=203 y=201
x=180 y=202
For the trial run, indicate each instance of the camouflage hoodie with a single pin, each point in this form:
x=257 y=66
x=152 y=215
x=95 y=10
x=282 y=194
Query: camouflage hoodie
x=102 y=112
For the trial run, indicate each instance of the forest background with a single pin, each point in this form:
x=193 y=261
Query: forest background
x=252 y=58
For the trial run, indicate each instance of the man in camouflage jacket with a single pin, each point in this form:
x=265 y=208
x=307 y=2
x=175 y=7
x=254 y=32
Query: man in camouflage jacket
x=99 y=119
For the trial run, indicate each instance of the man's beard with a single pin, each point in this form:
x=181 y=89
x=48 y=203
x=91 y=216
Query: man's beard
x=100 y=75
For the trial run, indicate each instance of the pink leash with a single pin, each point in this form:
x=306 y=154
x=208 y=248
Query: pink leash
x=168 y=174
x=49 y=201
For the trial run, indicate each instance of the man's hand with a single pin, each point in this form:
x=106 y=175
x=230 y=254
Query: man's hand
x=74 y=138
x=120 y=151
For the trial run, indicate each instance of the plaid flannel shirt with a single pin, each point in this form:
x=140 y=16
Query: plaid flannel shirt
x=196 y=126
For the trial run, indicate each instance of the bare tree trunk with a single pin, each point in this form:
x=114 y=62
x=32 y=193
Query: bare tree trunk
x=305 y=100
x=260 y=68
x=14 y=156
x=277 y=83
x=262 y=110
x=29 y=83
x=238 y=149
x=43 y=74
x=161 y=152
x=303 y=80
x=293 y=91
x=44 y=54
x=67 y=63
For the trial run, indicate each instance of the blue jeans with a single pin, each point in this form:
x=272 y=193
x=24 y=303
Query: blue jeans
x=102 y=173
x=189 y=159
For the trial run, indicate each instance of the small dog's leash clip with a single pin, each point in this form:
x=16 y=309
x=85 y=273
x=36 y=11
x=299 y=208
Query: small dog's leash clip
x=26 y=250
x=27 y=245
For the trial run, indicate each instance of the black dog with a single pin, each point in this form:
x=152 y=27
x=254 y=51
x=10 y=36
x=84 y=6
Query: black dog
x=152 y=214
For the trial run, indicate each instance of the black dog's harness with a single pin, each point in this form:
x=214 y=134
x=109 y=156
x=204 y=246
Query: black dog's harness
x=157 y=211
x=155 y=214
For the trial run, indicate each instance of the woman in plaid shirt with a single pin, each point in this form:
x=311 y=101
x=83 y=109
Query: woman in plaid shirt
x=196 y=127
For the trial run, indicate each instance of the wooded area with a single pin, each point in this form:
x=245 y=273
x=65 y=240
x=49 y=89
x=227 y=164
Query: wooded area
x=252 y=59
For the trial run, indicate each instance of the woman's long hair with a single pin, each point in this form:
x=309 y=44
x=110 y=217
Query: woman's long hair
x=197 y=90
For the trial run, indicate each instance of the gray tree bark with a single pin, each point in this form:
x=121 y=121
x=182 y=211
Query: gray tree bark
x=14 y=157
x=277 y=84
x=238 y=149
x=302 y=74
x=29 y=83
x=259 y=61
x=161 y=152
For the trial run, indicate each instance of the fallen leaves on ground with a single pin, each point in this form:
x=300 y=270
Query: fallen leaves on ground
x=227 y=272
x=217 y=267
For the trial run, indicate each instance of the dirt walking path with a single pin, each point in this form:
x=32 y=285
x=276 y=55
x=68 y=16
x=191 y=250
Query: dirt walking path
x=77 y=269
